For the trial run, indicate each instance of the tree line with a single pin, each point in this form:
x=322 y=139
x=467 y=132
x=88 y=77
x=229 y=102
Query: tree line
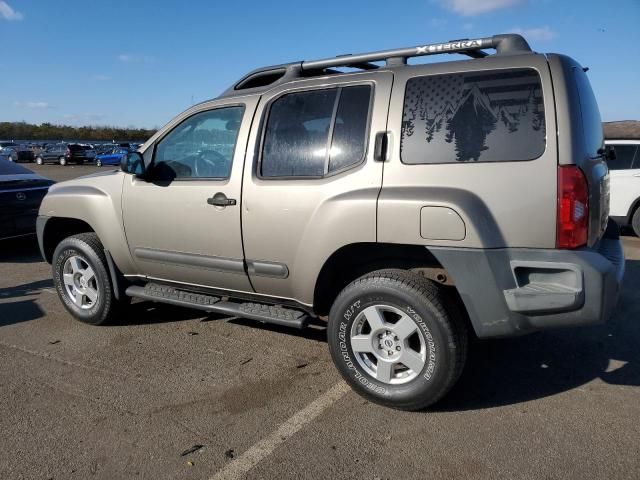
x=49 y=131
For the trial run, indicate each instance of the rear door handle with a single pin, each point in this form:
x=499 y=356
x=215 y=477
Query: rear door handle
x=380 y=147
x=221 y=200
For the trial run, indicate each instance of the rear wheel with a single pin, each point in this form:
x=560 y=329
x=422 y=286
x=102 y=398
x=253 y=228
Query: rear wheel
x=63 y=161
x=39 y=160
x=81 y=278
x=98 y=163
x=397 y=339
x=635 y=222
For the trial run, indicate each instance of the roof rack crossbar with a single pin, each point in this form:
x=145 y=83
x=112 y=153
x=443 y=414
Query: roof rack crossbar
x=503 y=44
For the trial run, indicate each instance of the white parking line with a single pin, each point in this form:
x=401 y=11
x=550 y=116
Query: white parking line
x=239 y=467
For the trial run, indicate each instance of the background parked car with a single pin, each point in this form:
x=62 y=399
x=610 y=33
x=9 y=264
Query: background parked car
x=53 y=153
x=625 y=183
x=9 y=153
x=21 y=192
x=25 y=153
x=112 y=157
x=64 y=153
x=81 y=153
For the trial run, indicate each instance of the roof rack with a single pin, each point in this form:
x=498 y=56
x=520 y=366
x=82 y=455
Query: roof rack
x=506 y=44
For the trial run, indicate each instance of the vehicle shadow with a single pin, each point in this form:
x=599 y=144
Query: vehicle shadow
x=146 y=313
x=20 y=311
x=510 y=371
x=25 y=289
x=20 y=250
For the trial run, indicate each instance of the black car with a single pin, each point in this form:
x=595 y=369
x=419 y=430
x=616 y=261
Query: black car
x=25 y=153
x=21 y=192
x=64 y=153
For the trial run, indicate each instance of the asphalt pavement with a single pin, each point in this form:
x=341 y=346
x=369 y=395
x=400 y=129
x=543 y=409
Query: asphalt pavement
x=167 y=392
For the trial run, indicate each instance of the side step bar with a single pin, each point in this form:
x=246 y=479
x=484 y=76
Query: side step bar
x=278 y=315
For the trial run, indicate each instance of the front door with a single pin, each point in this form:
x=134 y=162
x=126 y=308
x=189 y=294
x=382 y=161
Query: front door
x=183 y=220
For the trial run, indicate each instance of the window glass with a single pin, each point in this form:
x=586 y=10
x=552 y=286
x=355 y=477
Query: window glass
x=624 y=157
x=350 y=130
x=201 y=146
x=591 y=122
x=295 y=140
x=473 y=117
x=302 y=125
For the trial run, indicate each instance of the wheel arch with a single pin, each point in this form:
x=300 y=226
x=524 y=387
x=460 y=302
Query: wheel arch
x=634 y=206
x=56 y=229
x=354 y=260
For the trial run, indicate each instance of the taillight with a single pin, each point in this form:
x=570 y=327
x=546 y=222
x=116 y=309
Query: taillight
x=573 y=208
x=67 y=153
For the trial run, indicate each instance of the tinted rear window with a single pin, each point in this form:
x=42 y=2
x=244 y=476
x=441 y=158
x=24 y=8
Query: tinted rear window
x=77 y=148
x=10 y=168
x=473 y=117
x=317 y=132
x=591 y=122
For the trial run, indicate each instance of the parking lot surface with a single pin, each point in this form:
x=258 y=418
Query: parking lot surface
x=173 y=393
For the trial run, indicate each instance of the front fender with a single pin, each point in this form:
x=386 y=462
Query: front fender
x=97 y=201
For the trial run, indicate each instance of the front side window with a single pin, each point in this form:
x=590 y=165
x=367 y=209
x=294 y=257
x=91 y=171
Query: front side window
x=624 y=158
x=313 y=133
x=473 y=117
x=201 y=146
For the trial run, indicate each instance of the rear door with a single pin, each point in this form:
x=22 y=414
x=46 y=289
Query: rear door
x=625 y=177
x=312 y=186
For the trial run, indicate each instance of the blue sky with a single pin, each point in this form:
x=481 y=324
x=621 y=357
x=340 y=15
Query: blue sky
x=140 y=62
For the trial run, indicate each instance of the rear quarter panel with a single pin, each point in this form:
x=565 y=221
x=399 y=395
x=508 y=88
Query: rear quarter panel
x=501 y=204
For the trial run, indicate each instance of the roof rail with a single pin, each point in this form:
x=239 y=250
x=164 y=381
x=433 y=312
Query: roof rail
x=261 y=78
x=503 y=44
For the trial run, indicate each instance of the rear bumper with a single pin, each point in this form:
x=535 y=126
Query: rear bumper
x=514 y=291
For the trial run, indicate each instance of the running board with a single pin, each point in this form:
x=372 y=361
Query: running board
x=278 y=315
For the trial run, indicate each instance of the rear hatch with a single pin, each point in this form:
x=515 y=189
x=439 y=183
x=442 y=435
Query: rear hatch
x=581 y=138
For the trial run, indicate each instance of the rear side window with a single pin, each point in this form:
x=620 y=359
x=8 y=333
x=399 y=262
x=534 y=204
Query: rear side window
x=317 y=132
x=624 y=158
x=493 y=116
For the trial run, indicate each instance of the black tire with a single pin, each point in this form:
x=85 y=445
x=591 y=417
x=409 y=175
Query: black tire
x=635 y=222
x=89 y=249
x=437 y=320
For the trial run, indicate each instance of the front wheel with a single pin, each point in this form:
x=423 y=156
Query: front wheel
x=81 y=278
x=98 y=163
x=39 y=161
x=63 y=161
x=397 y=339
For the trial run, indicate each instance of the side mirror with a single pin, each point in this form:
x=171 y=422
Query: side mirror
x=608 y=152
x=133 y=163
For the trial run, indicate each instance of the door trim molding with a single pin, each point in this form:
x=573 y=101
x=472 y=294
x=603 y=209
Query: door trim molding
x=220 y=264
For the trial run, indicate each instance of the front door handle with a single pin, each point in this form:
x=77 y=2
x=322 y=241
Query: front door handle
x=221 y=200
